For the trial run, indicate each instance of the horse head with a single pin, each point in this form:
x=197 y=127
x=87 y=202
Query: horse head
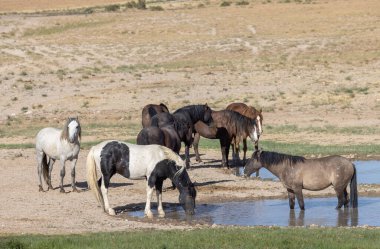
x=72 y=130
x=187 y=190
x=253 y=164
x=254 y=132
x=207 y=118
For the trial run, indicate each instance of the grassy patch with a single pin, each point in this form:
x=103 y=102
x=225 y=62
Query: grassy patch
x=205 y=238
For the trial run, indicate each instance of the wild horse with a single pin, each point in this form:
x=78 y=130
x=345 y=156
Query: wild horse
x=56 y=144
x=297 y=173
x=227 y=126
x=187 y=116
x=149 y=111
x=155 y=163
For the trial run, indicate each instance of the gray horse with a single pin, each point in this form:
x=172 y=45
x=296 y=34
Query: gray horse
x=297 y=173
x=55 y=144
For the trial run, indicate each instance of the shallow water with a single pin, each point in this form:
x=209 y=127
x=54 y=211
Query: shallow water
x=319 y=211
x=368 y=172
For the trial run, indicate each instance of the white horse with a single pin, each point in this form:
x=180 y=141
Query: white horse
x=55 y=144
x=155 y=163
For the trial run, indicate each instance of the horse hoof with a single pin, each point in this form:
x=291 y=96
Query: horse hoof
x=62 y=191
x=50 y=187
x=40 y=189
x=111 y=212
x=76 y=190
x=149 y=214
x=161 y=214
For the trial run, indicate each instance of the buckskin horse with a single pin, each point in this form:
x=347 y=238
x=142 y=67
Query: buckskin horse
x=297 y=173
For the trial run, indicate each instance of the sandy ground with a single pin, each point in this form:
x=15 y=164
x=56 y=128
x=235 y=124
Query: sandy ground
x=25 y=210
x=313 y=68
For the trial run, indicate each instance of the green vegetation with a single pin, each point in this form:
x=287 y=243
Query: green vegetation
x=205 y=238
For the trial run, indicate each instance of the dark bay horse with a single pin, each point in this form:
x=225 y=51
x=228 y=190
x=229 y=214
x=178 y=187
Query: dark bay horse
x=226 y=126
x=169 y=135
x=149 y=111
x=155 y=163
x=249 y=112
x=297 y=173
x=186 y=116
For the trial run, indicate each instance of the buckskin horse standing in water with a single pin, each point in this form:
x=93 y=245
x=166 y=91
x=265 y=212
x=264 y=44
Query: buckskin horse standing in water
x=227 y=126
x=249 y=112
x=149 y=111
x=155 y=163
x=297 y=173
x=55 y=144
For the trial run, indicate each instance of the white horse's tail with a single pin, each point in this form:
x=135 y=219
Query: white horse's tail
x=45 y=167
x=92 y=177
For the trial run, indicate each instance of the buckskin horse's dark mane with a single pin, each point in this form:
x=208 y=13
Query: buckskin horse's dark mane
x=270 y=158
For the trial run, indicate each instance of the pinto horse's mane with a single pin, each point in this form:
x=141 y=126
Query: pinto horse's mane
x=171 y=155
x=270 y=158
x=65 y=131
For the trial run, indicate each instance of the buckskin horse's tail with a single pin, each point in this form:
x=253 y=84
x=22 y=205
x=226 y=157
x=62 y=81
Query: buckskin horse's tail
x=92 y=177
x=45 y=167
x=353 y=190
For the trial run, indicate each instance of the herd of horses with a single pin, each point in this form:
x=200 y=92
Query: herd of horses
x=155 y=157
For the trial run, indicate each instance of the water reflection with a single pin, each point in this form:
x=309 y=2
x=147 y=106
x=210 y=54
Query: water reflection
x=319 y=211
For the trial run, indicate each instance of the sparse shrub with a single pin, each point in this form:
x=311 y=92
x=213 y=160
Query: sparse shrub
x=23 y=73
x=156 y=8
x=88 y=11
x=201 y=5
x=24 y=109
x=44 y=95
x=28 y=87
x=141 y=4
x=14 y=99
x=112 y=7
x=85 y=104
x=225 y=4
x=242 y=3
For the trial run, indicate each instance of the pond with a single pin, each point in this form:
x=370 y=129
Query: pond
x=276 y=212
x=368 y=172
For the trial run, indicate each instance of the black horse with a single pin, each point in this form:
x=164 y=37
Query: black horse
x=186 y=116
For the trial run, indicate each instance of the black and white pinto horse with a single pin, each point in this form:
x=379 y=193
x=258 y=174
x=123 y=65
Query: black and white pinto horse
x=155 y=163
x=55 y=144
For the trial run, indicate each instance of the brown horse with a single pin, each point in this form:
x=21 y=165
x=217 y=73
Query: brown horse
x=149 y=111
x=297 y=173
x=227 y=126
x=249 y=112
x=166 y=136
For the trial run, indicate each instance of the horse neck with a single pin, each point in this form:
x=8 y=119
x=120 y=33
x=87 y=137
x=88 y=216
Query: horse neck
x=275 y=169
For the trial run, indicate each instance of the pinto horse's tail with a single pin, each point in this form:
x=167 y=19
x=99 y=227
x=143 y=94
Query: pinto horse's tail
x=92 y=177
x=45 y=167
x=353 y=190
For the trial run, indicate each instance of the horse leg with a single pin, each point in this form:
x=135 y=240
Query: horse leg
x=39 y=169
x=187 y=156
x=160 y=209
x=104 y=188
x=63 y=172
x=149 y=192
x=228 y=151
x=341 y=197
x=346 y=200
x=299 y=196
x=197 y=137
x=292 y=198
x=245 y=151
x=51 y=163
x=73 y=163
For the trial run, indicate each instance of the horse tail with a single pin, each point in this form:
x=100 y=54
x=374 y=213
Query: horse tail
x=92 y=177
x=353 y=190
x=45 y=167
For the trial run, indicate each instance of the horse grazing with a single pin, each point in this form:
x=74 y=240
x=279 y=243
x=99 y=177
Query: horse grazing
x=297 y=173
x=150 y=110
x=152 y=162
x=227 y=126
x=55 y=144
x=186 y=116
x=249 y=112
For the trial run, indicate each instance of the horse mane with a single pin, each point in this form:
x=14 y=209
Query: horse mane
x=196 y=111
x=164 y=106
x=268 y=158
x=238 y=121
x=171 y=155
x=65 y=130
